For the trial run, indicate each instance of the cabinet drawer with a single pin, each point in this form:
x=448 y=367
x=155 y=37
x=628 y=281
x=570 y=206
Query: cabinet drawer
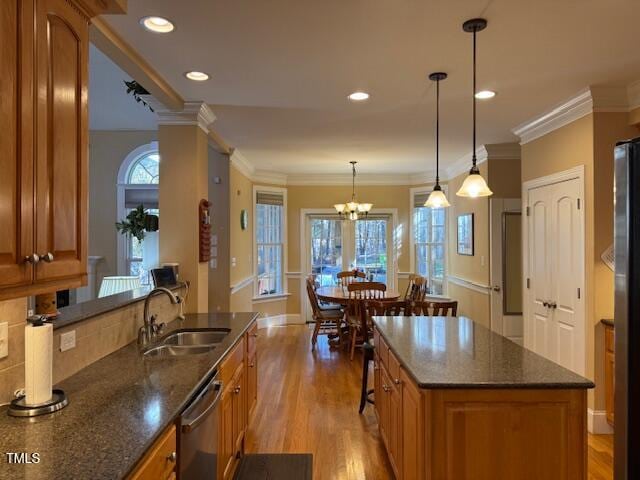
x=394 y=368
x=609 y=339
x=160 y=461
x=231 y=363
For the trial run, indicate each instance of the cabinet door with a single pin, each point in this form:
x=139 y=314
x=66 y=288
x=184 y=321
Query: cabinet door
x=226 y=452
x=239 y=410
x=61 y=141
x=412 y=430
x=160 y=461
x=382 y=404
x=16 y=143
x=609 y=382
x=252 y=385
x=395 y=429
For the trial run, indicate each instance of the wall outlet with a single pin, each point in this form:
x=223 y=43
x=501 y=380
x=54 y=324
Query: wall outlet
x=4 y=339
x=68 y=341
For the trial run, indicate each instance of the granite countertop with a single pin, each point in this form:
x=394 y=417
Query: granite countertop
x=118 y=406
x=81 y=311
x=449 y=352
x=608 y=321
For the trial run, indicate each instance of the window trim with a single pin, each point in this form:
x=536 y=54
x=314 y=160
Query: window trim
x=285 y=243
x=413 y=192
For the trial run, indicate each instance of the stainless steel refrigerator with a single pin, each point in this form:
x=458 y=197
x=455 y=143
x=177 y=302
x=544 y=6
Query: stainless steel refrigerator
x=627 y=310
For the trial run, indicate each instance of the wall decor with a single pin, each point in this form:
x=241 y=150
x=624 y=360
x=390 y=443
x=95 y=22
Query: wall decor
x=244 y=219
x=205 y=230
x=465 y=234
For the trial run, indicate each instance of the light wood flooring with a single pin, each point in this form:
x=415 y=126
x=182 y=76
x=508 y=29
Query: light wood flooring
x=308 y=403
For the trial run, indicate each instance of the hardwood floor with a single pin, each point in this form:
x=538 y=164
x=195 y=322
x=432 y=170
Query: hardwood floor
x=308 y=403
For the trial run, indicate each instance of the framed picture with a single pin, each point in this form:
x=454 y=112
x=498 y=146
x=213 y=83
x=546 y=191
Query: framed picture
x=244 y=219
x=465 y=234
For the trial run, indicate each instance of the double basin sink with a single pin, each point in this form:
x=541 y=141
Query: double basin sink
x=187 y=342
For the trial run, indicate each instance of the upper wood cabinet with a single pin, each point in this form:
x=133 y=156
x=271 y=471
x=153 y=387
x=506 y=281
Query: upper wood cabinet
x=43 y=148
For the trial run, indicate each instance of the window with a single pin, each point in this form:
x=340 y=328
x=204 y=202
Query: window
x=326 y=249
x=371 y=248
x=138 y=180
x=429 y=243
x=269 y=241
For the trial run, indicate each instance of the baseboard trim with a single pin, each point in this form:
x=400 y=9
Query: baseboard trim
x=597 y=422
x=280 y=320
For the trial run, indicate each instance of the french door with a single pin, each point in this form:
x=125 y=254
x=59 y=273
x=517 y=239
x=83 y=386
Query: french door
x=555 y=318
x=334 y=245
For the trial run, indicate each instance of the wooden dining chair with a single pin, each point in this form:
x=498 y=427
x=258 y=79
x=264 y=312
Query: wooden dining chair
x=417 y=289
x=311 y=279
x=327 y=321
x=355 y=314
x=348 y=277
x=436 y=309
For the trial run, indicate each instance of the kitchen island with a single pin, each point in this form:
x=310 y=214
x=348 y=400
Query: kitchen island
x=457 y=401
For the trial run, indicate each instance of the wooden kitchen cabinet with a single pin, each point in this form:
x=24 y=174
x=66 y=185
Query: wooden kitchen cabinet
x=252 y=370
x=609 y=372
x=43 y=149
x=160 y=462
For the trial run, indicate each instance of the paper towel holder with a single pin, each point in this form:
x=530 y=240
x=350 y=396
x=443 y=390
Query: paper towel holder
x=58 y=400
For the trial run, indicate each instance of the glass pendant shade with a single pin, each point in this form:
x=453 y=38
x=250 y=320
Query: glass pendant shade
x=340 y=207
x=474 y=186
x=437 y=199
x=365 y=207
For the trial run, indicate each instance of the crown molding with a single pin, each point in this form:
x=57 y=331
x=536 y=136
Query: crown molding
x=192 y=113
x=592 y=99
x=463 y=164
x=362 y=179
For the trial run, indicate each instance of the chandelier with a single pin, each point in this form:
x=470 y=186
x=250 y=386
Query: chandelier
x=350 y=210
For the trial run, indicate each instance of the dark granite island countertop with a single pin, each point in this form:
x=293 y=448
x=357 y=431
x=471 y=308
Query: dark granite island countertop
x=448 y=352
x=118 y=406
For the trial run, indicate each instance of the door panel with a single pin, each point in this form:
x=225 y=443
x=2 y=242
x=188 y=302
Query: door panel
x=61 y=156
x=16 y=143
x=556 y=269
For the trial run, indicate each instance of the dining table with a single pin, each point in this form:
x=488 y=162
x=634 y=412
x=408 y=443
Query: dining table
x=338 y=294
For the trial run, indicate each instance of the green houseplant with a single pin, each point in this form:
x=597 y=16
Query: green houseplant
x=137 y=222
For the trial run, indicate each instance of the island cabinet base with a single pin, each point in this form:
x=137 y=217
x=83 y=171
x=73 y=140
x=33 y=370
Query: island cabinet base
x=478 y=433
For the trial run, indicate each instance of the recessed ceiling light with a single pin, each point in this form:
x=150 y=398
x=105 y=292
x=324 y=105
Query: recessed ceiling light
x=485 y=94
x=197 y=76
x=359 y=96
x=157 y=24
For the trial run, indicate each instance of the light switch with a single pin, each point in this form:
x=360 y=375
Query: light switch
x=68 y=341
x=233 y=261
x=4 y=339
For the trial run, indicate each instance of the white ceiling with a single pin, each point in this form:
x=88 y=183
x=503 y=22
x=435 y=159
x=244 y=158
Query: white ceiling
x=281 y=70
x=110 y=108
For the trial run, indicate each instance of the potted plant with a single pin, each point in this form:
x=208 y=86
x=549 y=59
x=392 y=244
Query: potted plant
x=137 y=223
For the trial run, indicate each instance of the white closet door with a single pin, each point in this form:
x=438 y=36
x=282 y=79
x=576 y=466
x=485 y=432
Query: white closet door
x=556 y=316
x=540 y=331
x=568 y=258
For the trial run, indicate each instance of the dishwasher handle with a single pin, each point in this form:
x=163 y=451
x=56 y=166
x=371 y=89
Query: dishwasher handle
x=192 y=424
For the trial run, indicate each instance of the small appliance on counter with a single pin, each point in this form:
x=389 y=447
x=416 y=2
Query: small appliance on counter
x=39 y=397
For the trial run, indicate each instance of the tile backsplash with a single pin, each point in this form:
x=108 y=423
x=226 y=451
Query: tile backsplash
x=96 y=337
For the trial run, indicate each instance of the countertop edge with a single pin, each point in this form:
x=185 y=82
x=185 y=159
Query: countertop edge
x=608 y=321
x=483 y=386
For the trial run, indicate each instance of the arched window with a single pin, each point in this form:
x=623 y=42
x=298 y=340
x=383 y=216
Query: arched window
x=138 y=180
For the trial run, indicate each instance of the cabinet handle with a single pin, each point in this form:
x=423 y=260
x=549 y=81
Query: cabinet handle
x=553 y=305
x=251 y=365
x=236 y=390
x=32 y=259
x=397 y=381
x=385 y=388
x=254 y=335
x=47 y=257
x=172 y=457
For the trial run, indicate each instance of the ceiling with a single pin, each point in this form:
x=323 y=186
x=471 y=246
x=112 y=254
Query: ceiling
x=110 y=108
x=281 y=71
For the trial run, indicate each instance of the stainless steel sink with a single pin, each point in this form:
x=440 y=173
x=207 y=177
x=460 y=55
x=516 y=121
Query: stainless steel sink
x=209 y=336
x=188 y=342
x=173 y=350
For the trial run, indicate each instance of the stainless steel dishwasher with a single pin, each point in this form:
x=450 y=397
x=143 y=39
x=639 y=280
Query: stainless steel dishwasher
x=198 y=441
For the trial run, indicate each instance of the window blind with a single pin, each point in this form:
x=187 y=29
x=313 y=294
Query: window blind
x=419 y=199
x=269 y=198
x=148 y=197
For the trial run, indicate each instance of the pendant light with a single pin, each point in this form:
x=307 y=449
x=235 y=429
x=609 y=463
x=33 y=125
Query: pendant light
x=350 y=210
x=437 y=198
x=474 y=185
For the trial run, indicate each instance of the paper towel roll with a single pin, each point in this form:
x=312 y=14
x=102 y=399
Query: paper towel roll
x=38 y=345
